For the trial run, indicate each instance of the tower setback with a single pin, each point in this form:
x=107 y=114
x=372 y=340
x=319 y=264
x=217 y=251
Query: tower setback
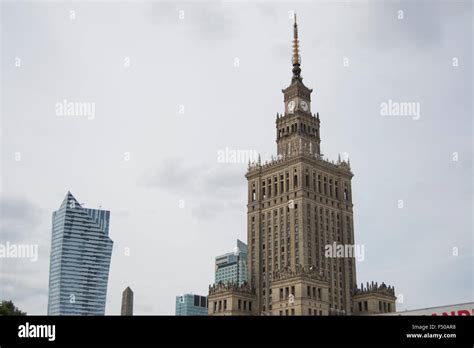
x=298 y=204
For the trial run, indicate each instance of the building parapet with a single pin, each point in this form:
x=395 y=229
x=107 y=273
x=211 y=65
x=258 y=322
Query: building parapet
x=298 y=271
x=301 y=153
x=221 y=287
x=372 y=288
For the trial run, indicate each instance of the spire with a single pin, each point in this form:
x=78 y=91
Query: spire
x=296 y=60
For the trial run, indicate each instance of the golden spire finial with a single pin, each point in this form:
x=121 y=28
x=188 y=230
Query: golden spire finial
x=296 y=60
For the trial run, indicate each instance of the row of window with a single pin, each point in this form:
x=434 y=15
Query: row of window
x=221 y=305
x=297 y=128
x=310 y=312
x=312 y=292
x=322 y=184
x=384 y=307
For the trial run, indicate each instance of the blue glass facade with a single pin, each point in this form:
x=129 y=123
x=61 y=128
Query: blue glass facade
x=80 y=259
x=189 y=304
x=232 y=267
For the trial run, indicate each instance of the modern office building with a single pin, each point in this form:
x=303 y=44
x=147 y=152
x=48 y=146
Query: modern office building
x=80 y=259
x=127 y=302
x=232 y=267
x=190 y=304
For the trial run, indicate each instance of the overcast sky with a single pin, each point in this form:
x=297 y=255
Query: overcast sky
x=173 y=88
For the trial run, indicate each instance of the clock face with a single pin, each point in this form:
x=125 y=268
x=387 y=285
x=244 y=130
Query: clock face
x=304 y=105
x=291 y=106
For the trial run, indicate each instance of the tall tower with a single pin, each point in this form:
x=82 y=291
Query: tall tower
x=127 y=302
x=297 y=205
x=298 y=127
x=80 y=259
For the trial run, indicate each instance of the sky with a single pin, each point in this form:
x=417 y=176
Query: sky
x=173 y=84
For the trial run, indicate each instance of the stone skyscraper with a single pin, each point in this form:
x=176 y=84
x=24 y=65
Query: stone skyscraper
x=127 y=302
x=298 y=204
x=80 y=259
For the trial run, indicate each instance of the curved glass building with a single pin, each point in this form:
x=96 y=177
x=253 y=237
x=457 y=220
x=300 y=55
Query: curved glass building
x=80 y=259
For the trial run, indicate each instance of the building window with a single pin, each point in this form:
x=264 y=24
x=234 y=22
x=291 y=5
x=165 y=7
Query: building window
x=360 y=306
x=366 y=306
x=281 y=312
x=292 y=311
x=225 y=304
x=245 y=305
x=240 y=304
x=250 y=306
x=309 y=311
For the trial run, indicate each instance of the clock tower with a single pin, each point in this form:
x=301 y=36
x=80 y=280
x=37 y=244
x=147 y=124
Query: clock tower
x=299 y=208
x=297 y=128
x=299 y=204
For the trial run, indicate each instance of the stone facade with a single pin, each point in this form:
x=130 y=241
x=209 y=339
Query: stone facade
x=127 y=301
x=299 y=204
x=232 y=299
x=299 y=293
x=374 y=299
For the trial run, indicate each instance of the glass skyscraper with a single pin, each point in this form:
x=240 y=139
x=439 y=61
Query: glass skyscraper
x=189 y=304
x=232 y=267
x=80 y=259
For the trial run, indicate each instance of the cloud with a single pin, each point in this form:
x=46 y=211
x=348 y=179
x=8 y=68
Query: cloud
x=20 y=280
x=210 y=23
x=18 y=218
x=208 y=189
